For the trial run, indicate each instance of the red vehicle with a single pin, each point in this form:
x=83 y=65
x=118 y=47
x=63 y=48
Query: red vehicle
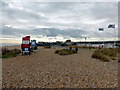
x=25 y=46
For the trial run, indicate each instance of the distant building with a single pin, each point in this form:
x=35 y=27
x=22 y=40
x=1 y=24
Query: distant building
x=105 y=44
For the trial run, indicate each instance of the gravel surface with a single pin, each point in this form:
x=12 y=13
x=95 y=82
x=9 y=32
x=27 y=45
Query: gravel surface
x=45 y=69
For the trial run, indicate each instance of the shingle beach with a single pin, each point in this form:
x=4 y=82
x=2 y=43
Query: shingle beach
x=45 y=69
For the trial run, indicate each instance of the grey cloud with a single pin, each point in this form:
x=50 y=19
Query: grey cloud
x=60 y=15
x=13 y=31
x=54 y=7
x=105 y=10
x=20 y=14
x=43 y=31
x=55 y=32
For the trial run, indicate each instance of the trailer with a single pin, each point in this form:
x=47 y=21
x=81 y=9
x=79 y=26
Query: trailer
x=25 y=46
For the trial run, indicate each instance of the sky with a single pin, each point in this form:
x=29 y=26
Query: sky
x=58 y=21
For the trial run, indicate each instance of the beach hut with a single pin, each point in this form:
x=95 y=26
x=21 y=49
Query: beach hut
x=33 y=45
x=25 y=46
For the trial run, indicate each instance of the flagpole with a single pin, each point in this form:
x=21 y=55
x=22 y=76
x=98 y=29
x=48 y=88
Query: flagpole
x=113 y=26
x=102 y=29
x=114 y=38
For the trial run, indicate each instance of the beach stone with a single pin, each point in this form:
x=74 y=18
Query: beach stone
x=45 y=69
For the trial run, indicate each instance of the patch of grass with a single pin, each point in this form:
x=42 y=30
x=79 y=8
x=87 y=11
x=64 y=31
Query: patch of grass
x=118 y=50
x=65 y=52
x=104 y=53
x=98 y=55
x=4 y=50
x=47 y=46
x=109 y=52
x=113 y=58
x=9 y=55
x=87 y=47
x=6 y=53
x=118 y=60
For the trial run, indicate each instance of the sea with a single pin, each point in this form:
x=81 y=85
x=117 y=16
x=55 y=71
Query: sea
x=9 y=44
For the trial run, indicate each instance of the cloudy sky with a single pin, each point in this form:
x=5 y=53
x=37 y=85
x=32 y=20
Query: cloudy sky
x=58 y=21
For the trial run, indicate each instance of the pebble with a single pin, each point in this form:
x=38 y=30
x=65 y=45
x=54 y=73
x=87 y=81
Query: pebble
x=68 y=71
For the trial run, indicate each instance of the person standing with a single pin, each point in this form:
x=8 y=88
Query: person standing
x=76 y=49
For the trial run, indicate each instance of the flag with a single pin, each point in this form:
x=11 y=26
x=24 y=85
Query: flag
x=101 y=29
x=111 y=26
